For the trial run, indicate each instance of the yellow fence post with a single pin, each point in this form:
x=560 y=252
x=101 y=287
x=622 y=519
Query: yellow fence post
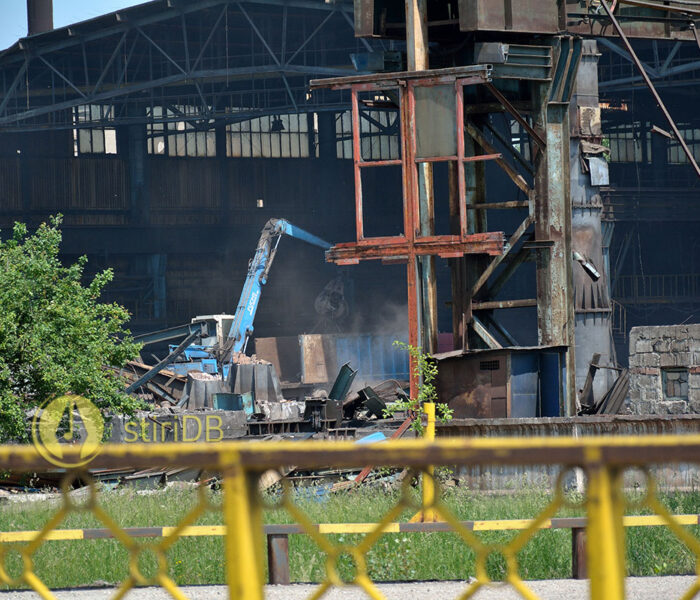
x=428 y=482
x=244 y=531
x=605 y=534
x=428 y=487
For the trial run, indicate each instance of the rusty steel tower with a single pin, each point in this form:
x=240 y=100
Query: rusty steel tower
x=518 y=58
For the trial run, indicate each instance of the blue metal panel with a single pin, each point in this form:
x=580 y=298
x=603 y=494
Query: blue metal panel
x=224 y=401
x=524 y=376
x=552 y=378
x=206 y=365
x=374 y=356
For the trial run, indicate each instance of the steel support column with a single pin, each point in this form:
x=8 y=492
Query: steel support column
x=591 y=298
x=555 y=314
x=417 y=50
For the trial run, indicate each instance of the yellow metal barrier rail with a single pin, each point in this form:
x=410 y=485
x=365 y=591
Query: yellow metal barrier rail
x=278 y=535
x=604 y=460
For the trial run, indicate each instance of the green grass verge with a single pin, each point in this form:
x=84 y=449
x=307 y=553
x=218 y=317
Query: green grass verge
x=406 y=556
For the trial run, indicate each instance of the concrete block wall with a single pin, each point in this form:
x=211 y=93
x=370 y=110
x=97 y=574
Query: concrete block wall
x=665 y=370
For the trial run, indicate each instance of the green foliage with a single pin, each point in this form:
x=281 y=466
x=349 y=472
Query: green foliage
x=55 y=335
x=425 y=369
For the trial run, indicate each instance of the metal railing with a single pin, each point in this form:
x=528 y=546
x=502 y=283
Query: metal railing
x=657 y=289
x=605 y=462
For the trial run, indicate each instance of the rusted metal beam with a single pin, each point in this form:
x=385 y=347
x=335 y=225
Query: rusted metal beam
x=497 y=304
x=510 y=268
x=579 y=569
x=447 y=246
x=389 y=80
x=488 y=108
x=555 y=308
x=394 y=436
x=519 y=233
x=278 y=559
x=488 y=318
x=484 y=334
x=458 y=265
x=509 y=146
x=517 y=178
x=647 y=79
x=503 y=205
x=516 y=115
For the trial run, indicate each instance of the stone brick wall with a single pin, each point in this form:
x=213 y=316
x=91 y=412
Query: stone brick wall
x=665 y=370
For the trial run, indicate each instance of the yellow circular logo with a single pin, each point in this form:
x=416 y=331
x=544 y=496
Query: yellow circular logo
x=56 y=427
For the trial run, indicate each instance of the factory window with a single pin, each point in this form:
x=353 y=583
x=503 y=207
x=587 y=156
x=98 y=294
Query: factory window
x=626 y=143
x=676 y=156
x=156 y=131
x=270 y=136
x=674 y=384
x=93 y=140
x=379 y=134
x=169 y=136
x=519 y=139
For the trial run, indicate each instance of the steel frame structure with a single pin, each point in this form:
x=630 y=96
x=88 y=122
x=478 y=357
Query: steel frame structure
x=547 y=201
x=233 y=59
x=413 y=243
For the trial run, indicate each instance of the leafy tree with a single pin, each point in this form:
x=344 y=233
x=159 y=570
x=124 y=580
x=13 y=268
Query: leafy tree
x=55 y=335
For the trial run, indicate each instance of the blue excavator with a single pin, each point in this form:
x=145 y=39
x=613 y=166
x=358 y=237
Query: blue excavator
x=258 y=271
x=213 y=343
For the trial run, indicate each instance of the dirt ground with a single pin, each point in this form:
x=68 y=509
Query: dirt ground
x=638 y=588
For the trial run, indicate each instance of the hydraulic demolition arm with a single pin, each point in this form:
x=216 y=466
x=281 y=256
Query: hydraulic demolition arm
x=258 y=269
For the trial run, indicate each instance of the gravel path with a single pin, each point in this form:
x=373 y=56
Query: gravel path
x=638 y=588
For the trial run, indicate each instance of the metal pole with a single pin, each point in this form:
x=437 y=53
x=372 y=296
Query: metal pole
x=429 y=481
x=39 y=16
x=605 y=535
x=417 y=49
x=243 y=519
x=278 y=559
x=578 y=553
x=428 y=489
x=555 y=309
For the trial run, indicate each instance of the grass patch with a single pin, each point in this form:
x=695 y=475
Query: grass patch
x=402 y=557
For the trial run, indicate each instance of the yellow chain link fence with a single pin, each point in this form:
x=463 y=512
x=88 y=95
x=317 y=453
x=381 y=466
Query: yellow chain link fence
x=605 y=461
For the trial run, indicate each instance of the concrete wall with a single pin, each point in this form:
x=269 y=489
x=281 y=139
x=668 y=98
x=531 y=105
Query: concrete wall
x=665 y=370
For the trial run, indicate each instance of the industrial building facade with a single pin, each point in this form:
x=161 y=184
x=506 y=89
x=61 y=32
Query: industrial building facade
x=167 y=134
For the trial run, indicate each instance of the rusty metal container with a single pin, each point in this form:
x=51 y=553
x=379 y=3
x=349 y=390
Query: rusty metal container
x=523 y=16
x=385 y=18
x=504 y=383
